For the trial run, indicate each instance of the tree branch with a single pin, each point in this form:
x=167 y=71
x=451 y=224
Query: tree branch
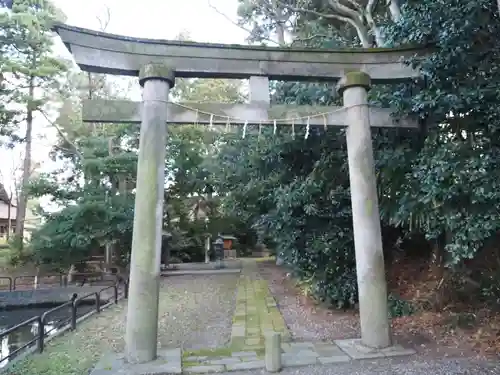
x=344 y=14
x=345 y=11
x=394 y=9
x=236 y=23
x=311 y=37
x=370 y=6
x=61 y=133
x=107 y=18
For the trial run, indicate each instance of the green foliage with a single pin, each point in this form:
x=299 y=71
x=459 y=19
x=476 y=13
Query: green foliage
x=440 y=181
x=399 y=307
x=73 y=234
x=452 y=184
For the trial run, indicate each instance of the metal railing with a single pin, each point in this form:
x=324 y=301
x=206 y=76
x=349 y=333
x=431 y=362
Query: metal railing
x=42 y=322
x=13 y=283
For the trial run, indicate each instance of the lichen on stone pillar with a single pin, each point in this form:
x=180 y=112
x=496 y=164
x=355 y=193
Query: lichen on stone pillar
x=142 y=312
x=354 y=79
x=157 y=71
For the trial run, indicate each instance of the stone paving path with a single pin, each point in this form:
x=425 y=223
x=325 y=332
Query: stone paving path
x=195 y=324
x=257 y=312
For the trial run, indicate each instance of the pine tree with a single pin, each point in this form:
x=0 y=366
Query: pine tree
x=28 y=61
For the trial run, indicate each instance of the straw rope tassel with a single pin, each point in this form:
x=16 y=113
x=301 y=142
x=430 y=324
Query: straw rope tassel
x=308 y=127
x=245 y=129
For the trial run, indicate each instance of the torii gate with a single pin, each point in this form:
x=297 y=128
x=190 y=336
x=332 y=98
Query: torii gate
x=158 y=62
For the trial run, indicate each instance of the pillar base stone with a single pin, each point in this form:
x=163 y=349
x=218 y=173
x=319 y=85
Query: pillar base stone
x=355 y=349
x=167 y=362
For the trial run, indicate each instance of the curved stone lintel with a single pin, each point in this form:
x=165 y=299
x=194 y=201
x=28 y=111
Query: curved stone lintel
x=354 y=79
x=157 y=71
x=113 y=54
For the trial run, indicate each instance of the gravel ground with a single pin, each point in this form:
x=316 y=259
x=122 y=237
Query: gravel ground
x=305 y=320
x=195 y=311
x=310 y=322
x=393 y=367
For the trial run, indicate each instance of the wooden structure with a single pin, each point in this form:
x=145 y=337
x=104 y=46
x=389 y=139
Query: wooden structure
x=229 y=252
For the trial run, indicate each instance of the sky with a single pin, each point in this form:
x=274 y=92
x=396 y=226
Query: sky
x=158 y=19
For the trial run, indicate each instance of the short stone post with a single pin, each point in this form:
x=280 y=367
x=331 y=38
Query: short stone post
x=273 y=351
x=207 y=249
x=142 y=311
x=372 y=285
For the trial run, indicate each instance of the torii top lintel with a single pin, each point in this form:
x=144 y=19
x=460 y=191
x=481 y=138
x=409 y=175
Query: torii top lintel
x=100 y=52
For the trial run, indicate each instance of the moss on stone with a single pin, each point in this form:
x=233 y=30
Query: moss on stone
x=217 y=352
x=354 y=79
x=157 y=71
x=190 y=364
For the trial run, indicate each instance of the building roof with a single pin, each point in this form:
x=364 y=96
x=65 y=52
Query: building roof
x=4 y=197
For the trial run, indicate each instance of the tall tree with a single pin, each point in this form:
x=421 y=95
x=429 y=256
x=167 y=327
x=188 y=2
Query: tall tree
x=25 y=31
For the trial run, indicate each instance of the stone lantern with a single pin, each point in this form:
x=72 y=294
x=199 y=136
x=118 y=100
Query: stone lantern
x=219 y=251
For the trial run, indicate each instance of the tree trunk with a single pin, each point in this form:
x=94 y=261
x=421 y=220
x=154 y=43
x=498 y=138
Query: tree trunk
x=23 y=199
x=207 y=249
x=363 y=34
x=9 y=218
x=395 y=10
x=437 y=260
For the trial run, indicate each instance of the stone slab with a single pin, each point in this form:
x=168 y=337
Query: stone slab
x=248 y=365
x=301 y=345
x=237 y=331
x=291 y=359
x=356 y=350
x=204 y=369
x=306 y=353
x=397 y=350
x=168 y=362
x=244 y=354
x=195 y=358
x=330 y=360
x=222 y=271
x=328 y=350
x=224 y=361
x=228 y=264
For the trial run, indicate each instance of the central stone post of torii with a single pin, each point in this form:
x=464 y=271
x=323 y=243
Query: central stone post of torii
x=142 y=313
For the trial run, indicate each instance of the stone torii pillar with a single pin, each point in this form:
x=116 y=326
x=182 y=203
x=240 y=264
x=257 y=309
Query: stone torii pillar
x=142 y=312
x=372 y=285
